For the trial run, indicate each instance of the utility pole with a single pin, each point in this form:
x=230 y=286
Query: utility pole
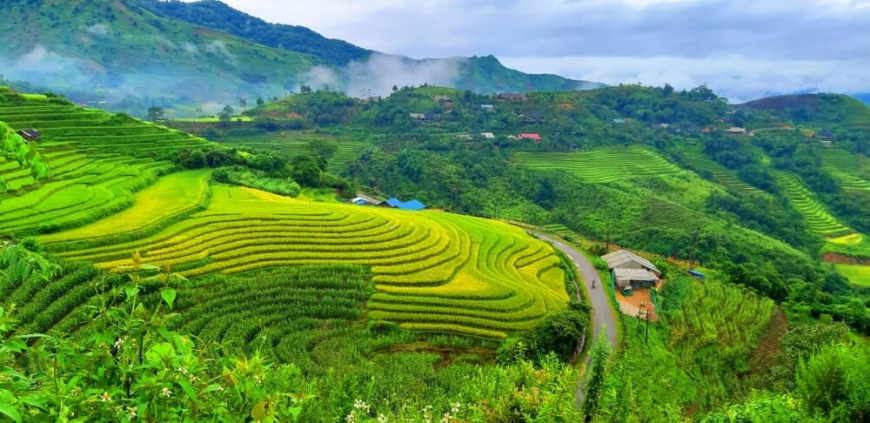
x=608 y=239
x=694 y=244
x=647 y=326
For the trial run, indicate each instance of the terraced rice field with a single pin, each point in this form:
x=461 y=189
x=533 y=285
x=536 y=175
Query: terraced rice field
x=603 y=164
x=818 y=218
x=296 y=143
x=433 y=271
x=562 y=231
x=92 y=130
x=170 y=196
x=857 y=274
x=287 y=307
x=721 y=174
x=82 y=189
x=847 y=168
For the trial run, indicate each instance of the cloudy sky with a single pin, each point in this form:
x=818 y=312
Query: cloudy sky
x=742 y=48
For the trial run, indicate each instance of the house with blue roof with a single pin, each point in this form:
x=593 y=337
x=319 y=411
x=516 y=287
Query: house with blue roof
x=413 y=205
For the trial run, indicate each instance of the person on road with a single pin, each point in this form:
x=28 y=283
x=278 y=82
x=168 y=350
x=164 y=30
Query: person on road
x=593 y=283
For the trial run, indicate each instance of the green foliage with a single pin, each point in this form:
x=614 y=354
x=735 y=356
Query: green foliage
x=763 y=407
x=595 y=381
x=834 y=382
x=258 y=180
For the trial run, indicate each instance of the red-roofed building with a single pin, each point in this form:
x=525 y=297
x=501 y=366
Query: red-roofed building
x=536 y=137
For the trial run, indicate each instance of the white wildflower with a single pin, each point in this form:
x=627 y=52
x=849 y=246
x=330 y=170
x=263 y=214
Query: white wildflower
x=166 y=392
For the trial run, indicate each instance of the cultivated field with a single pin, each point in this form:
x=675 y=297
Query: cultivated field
x=720 y=174
x=818 y=218
x=847 y=168
x=296 y=143
x=433 y=271
x=90 y=130
x=603 y=164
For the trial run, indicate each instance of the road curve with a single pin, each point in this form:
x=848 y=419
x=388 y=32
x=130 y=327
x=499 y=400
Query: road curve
x=602 y=312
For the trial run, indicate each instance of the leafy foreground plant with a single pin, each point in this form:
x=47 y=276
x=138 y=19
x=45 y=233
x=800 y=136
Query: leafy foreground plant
x=127 y=366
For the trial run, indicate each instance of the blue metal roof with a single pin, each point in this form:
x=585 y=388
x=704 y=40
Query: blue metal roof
x=696 y=274
x=394 y=202
x=412 y=205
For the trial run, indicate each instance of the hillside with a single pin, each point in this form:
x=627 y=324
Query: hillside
x=219 y=16
x=123 y=50
x=130 y=54
x=817 y=109
x=172 y=270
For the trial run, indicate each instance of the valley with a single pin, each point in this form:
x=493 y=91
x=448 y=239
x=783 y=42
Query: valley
x=205 y=216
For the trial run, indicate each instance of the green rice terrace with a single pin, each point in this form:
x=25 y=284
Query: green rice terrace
x=296 y=143
x=433 y=271
x=816 y=214
x=719 y=173
x=603 y=164
x=850 y=169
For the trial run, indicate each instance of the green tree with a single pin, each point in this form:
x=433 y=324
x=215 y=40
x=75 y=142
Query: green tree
x=243 y=103
x=323 y=150
x=260 y=101
x=595 y=382
x=226 y=115
x=156 y=114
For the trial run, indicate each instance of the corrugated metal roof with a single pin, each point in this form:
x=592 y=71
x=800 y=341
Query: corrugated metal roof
x=641 y=275
x=621 y=257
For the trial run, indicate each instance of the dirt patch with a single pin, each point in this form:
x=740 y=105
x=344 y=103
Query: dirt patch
x=764 y=357
x=844 y=259
x=640 y=300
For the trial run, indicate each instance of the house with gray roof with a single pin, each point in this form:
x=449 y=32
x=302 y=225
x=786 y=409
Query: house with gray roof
x=630 y=270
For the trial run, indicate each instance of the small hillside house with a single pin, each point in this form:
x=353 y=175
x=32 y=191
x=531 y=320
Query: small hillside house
x=736 y=131
x=29 y=134
x=418 y=116
x=443 y=99
x=487 y=107
x=618 y=120
x=488 y=135
x=534 y=137
x=412 y=205
x=630 y=270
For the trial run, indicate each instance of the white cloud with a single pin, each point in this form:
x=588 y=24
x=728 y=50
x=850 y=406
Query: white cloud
x=737 y=78
x=218 y=47
x=760 y=37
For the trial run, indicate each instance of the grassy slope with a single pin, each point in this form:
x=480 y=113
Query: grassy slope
x=132 y=50
x=433 y=271
x=818 y=109
x=296 y=143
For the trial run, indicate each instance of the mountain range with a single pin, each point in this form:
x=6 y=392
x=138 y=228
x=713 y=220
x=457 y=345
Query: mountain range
x=130 y=52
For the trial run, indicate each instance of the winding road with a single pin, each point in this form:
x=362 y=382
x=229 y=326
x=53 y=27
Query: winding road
x=602 y=312
x=603 y=316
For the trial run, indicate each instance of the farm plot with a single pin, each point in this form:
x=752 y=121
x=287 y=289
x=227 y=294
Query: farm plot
x=282 y=306
x=602 y=164
x=92 y=130
x=720 y=174
x=433 y=271
x=847 y=168
x=58 y=306
x=818 y=218
x=857 y=274
x=80 y=192
x=296 y=143
x=170 y=196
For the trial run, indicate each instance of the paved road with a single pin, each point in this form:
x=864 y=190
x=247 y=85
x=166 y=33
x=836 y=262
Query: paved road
x=602 y=312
